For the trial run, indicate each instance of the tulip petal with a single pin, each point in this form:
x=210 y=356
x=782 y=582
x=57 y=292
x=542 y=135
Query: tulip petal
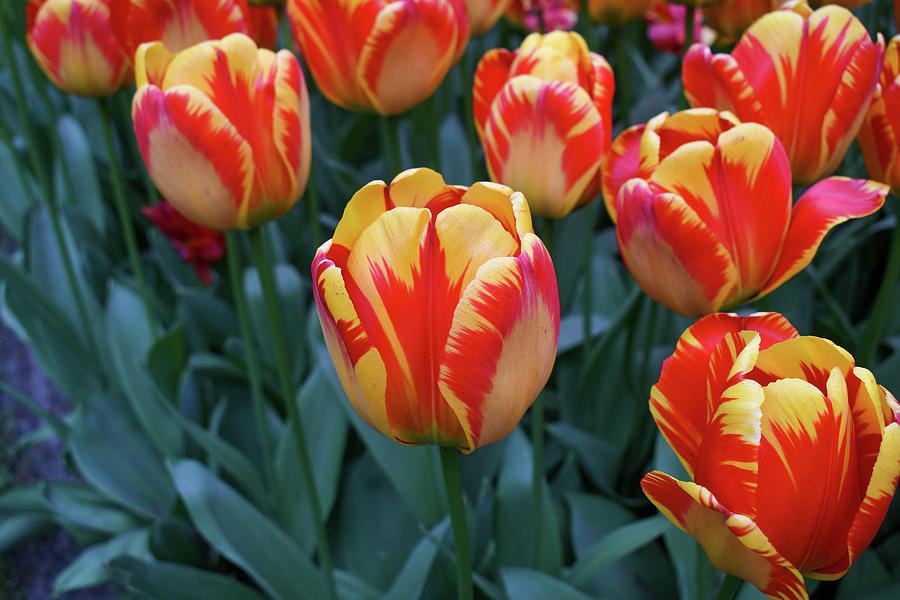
x=871 y=412
x=602 y=87
x=691 y=125
x=290 y=121
x=507 y=317
x=826 y=204
x=671 y=252
x=496 y=199
x=552 y=124
x=421 y=188
x=741 y=190
x=808 y=451
x=679 y=400
x=732 y=541
x=621 y=162
x=808 y=358
x=196 y=157
x=717 y=81
x=490 y=77
x=408 y=52
x=878 y=141
x=364 y=207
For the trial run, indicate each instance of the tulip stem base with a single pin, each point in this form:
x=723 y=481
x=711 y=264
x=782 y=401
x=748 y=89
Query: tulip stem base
x=880 y=311
x=390 y=137
x=453 y=484
x=729 y=587
x=265 y=269
x=537 y=476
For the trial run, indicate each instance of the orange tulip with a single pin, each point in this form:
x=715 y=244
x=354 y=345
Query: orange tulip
x=384 y=56
x=809 y=77
x=543 y=114
x=484 y=13
x=439 y=308
x=223 y=128
x=729 y=18
x=74 y=44
x=793 y=450
x=617 y=12
x=706 y=220
x=879 y=136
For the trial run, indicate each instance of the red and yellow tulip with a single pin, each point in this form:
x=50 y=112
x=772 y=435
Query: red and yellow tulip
x=484 y=13
x=223 y=128
x=617 y=12
x=74 y=44
x=543 y=114
x=439 y=308
x=807 y=76
x=706 y=221
x=879 y=136
x=384 y=56
x=793 y=451
x=729 y=18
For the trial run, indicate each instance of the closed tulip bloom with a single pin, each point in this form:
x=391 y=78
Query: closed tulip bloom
x=729 y=18
x=439 y=308
x=793 y=451
x=879 y=136
x=807 y=76
x=713 y=226
x=223 y=128
x=74 y=44
x=384 y=56
x=543 y=114
x=617 y=12
x=484 y=13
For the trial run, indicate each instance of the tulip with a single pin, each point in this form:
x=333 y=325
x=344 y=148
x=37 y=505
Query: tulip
x=377 y=55
x=439 y=308
x=666 y=26
x=197 y=245
x=74 y=44
x=712 y=225
x=617 y=12
x=544 y=15
x=264 y=25
x=879 y=136
x=223 y=128
x=729 y=18
x=543 y=114
x=484 y=13
x=793 y=451
x=178 y=24
x=807 y=78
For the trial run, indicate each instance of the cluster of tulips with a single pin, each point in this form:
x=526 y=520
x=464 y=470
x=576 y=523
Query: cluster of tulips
x=438 y=302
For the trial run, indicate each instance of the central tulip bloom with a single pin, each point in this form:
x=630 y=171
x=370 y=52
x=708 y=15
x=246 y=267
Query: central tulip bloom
x=706 y=221
x=543 y=114
x=74 y=44
x=223 y=128
x=439 y=308
x=793 y=450
x=807 y=76
x=377 y=55
x=879 y=136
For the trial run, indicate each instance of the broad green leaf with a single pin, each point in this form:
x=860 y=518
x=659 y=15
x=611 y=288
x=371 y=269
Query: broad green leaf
x=352 y=587
x=22 y=498
x=599 y=458
x=174 y=540
x=867 y=574
x=411 y=580
x=172 y=581
x=244 y=536
x=456 y=161
x=59 y=426
x=83 y=506
x=78 y=158
x=571 y=331
x=20 y=527
x=291 y=295
x=113 y=453
x=527 y=584
x=167 y=359
x=91 y=567
x=15 y=199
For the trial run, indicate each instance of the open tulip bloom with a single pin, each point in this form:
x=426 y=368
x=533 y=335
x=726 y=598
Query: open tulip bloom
x=439 y=308
x=703 y=210
x=793 y=450
x=879 y=136
x=808 y=76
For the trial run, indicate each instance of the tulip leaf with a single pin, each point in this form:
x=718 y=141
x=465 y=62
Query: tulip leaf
x=85 y=507
x=174 y=540
x=599 y=458
x=571 y=331
x=527 y=584
x=91 y=567
x=78 y=158
x=172 y=581
x=20 y=527
x=166 y=361
x=456 y=161
x=351 y=586
x=410 y=582
x=291 y=292
x=16 y=198
x=114 y=455
x=235 y=528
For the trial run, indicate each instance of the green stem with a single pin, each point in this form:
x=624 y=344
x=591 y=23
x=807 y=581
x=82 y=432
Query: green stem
x=537 y=475
x=434 y=130
x=729 y=587
x=689 y=26
x=588 y=270
x=465 y=69
x=312 y=206
x=623 y=71
x=125 y=223
x=390 y=138
x=263 y=260
x=881 y=309
x=124 y=108
x=256 y=390
x=453 y=484
x=648 y=344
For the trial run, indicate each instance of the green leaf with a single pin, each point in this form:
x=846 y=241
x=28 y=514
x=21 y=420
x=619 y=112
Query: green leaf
x=167 y=359
x=174 y=540
x=291 y=303
x=172 y=581
x=351 y=586
x=411 y=580
x=113 y=454
x=79 y=160
x=60 y=427
x=456 y=162
x=90 y=568
x=526 y=584
x=85 y=507
x=130 y=337
x=244 y=536
x=20 y=527
x=571 y=331
x=15 y=199
x=599 y=458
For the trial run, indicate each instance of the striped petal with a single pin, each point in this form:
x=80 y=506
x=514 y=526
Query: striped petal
x=733 y=542
x=490 y=77
x=621 y=162
x=507 y=317
x=406 y=55
x=195 y=156
x=872 y=412
x=807 y=457
x=555 y=56
x=672 y=254
x=717 y=81
x=879 y=135
x=554 y=125
x=602 y=88
x=264 y=25
x=331 y=35
x=826 y=204
x=815 y=78
x=290 y=121
x=691 y=125
x=741 y=190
